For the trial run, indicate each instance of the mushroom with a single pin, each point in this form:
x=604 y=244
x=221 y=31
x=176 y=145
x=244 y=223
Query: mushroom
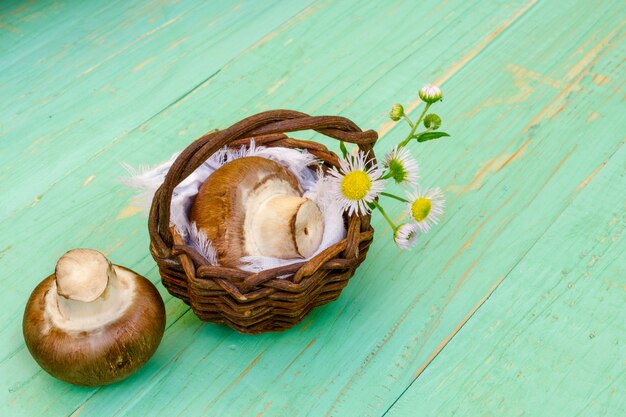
x=253 y=206
x=93 y=323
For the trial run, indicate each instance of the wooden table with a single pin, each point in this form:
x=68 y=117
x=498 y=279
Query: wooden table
x=514 y=305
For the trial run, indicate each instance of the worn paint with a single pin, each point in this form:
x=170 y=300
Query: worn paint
x=129 y=211
x=531 y=237
x=568 y=342
x=88 y=180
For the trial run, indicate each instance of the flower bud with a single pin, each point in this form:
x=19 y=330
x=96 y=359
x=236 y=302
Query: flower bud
x=432 y=121
x=430 y=93
x=396 y=113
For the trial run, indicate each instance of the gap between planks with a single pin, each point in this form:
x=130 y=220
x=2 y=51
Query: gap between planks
x=448 y=338
x=495 y=286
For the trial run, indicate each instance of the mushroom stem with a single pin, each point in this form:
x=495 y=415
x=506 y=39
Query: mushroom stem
x=87 y=292
x=286 y=226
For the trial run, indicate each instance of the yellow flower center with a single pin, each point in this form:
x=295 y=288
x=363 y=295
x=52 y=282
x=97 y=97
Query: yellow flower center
x=355 y=185
x=421 y=208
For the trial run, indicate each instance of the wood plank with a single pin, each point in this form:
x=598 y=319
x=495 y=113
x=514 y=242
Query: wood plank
x=101 y=221
x=47 y=60
x=96 y=180
x=550 y=341
x=288 y=359
x=362 y=350
x=92 y=71
x=379 y=368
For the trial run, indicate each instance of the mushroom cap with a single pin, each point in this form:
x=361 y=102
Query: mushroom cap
x=254 y=206
x=101 y=355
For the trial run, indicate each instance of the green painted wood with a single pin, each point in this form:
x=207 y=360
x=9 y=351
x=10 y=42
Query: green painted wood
x=550 y=340
x=115 y=232
x=268 y=365
x=70 y=47
x=96 y=70
x=357 y=355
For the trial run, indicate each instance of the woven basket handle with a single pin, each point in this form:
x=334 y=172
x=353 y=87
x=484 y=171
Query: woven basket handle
x=269 y=122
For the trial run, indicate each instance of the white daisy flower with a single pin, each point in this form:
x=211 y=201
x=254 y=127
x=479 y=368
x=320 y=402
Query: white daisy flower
x=356 y=185
x=401 y=165
x=406 y=236
x=425 y=207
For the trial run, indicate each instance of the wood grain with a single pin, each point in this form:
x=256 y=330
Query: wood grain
x=89 y=73
x=533 y=106
x=550 y=339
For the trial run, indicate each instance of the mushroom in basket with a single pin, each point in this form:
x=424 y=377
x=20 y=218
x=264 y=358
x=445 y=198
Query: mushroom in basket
x=253 y=206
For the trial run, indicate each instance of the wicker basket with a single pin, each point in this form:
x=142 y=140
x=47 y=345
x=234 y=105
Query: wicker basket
x=274 y=299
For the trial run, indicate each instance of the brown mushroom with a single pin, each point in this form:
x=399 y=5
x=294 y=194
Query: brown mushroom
x=93 y=323
x=253 y=206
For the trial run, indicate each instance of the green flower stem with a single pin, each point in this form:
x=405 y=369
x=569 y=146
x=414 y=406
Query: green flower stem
x=412 y=132
x=386 y=176
x=408 y=120
x=379 y=207
x=394 y=196
x=422 y=115
x=430 y=129
x=344 y=150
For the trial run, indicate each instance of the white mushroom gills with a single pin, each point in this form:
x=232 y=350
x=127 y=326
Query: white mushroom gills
x=88 y=291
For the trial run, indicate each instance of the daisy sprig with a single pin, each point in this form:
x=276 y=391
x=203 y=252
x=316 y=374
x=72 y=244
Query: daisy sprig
x=429 y=94
x=415 y=126
x=359 y=181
